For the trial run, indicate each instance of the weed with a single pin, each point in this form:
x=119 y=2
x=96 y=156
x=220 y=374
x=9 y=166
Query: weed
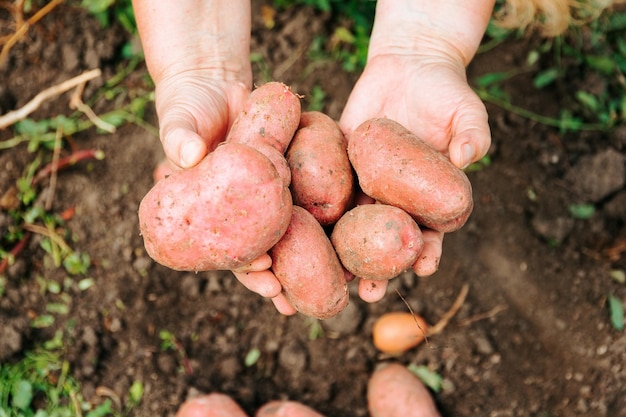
x=40 y=385
x=587 y=64
x=616 y=311
x=353 y=21
x=170 y=342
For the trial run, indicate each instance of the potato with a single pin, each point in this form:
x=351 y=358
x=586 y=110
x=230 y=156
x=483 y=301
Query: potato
x=221 y=214
x=277 y=158
x=286 y=409
x=211 y=405
x=308 y=269
x=271 y=115
x=398 y=331
x=393 y=391
x=322 y=180
x=377 y=241
x=396 y=167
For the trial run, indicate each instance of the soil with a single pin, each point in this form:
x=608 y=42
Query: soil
x=533 y=337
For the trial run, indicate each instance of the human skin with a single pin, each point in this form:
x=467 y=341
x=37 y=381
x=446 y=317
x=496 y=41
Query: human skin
x=197 y=52
x=426 y=46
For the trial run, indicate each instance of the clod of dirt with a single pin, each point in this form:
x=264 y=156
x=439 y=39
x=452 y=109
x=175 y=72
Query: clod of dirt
x=551 y=227
x=614 y=208
x=345 y=323
x=597 y=176
x=11 y=336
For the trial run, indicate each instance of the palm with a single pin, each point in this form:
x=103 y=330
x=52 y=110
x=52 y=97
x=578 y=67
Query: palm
x=432 y=99
x=196 y=105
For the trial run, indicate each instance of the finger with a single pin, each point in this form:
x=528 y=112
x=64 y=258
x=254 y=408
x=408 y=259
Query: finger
x=182 y=145
x=472 y=136
x=261 y=263
x=193 y=119
x=211 y=405
x=263 y=283
x=283 y=305
x=428 y=261
x=371 y=291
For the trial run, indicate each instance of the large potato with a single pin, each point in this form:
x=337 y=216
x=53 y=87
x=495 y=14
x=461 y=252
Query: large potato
x=221 y=214
x=322 y=180
x=377 y=241
x=270 y=115
x=396 y=167
x=308 y=269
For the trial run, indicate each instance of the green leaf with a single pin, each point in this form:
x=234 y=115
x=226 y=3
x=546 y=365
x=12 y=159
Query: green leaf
x=545 y=78
x=57 y=308
x=344 y=35
x=492 y=78
x=115 y=117
x=97 y=6
x=588 y=100
x=32 y=128
x=135 y=393
x=603 y=64
x=85 y=284
x=582 y=211
x=103 y=410
x=430 y=378
x=252 y=357
x=618 y=275
x=616 y=311
x=21 y=394
x=77 y=263
x=43 y=321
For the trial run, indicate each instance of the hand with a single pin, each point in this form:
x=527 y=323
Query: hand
x=431 y=97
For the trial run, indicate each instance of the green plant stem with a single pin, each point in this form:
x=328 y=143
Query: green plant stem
x=546 y=120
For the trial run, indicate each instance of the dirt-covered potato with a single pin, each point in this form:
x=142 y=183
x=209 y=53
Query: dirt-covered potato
x=396 y=167
x=377 y=241
x=322 y=180
x=308 y=269
x=270 y=115
x=219 y=215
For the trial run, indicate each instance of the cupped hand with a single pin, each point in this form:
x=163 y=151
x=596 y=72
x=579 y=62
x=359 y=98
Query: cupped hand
x=195 y=112
x=195 y=109
x=430 y=96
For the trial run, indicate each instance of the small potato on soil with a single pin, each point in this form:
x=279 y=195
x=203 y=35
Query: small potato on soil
x=377 y=241
x=398 y=331
x=396 y=167
x=322 y=177
x=308 y=269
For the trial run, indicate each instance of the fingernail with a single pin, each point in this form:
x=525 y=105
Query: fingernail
x=467 y=155
x=190 y=153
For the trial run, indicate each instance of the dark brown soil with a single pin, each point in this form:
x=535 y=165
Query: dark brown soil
x=532 y=339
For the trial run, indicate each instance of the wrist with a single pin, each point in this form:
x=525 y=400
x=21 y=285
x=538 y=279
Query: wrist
x=448 y=29
x=191 y=35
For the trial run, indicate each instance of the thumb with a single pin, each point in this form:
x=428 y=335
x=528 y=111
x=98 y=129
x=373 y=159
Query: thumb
x=472 y=136
x=192 y=118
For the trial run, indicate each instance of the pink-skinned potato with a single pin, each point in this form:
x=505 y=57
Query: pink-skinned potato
x=393 y=391
x=322 y=180
x=377 y=241
x=221 y=214
x=396 y=167
x=308 y=269
x=214 y=404
x=271 y=114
